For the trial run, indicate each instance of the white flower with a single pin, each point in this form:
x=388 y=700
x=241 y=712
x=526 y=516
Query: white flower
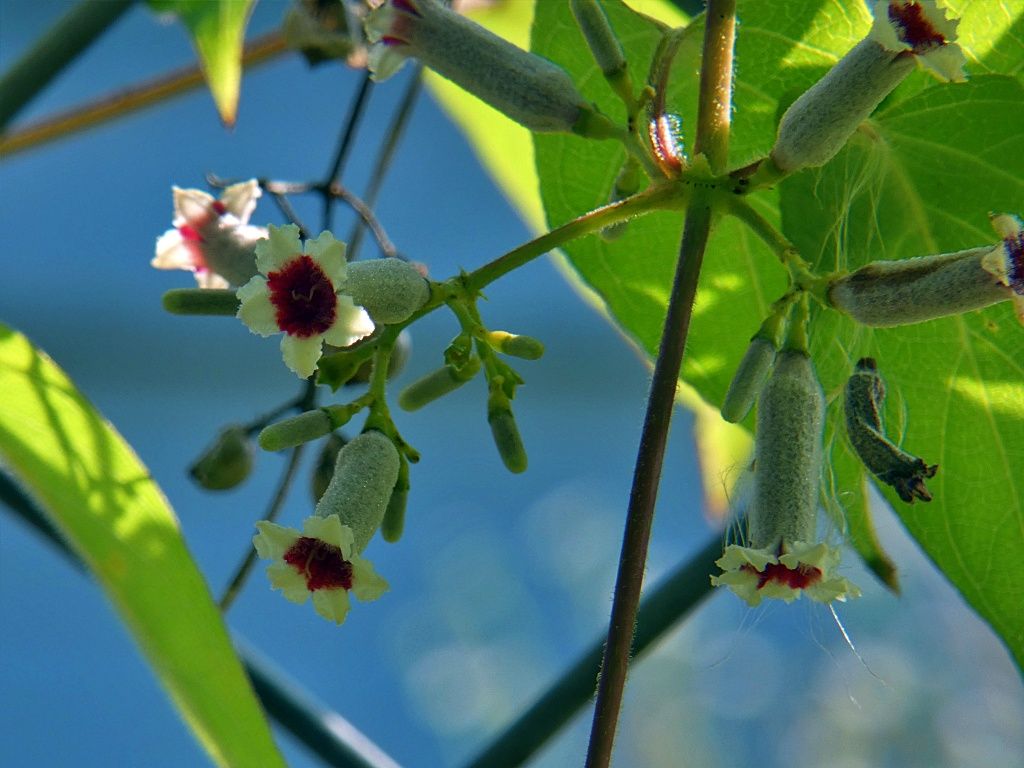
x=807 y=569
x=921 y=27
x=212 y=238
x=319 y=561
x=1006 y=261
x=298 y=294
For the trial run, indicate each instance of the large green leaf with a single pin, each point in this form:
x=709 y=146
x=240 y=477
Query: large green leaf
x=217 y=28
x=107 y=507
x=920 y=179
x=929 y=182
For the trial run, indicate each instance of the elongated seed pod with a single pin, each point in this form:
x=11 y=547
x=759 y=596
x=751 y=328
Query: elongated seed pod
x=749 y=379
x=390 y=290
x=888 y=293
x=507 y=439
x=296 y=430
x=788 y=453
x=437 y=384
x=864 y=397
x=364 y=477
x=517 y=345
x=394 y=516
x=600 y=37
x=201 y=301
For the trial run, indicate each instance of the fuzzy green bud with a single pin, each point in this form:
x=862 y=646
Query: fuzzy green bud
x=604 y=46
x=323 y=471
x=504 y=430
x=226 y=463
x=201 y=301
x=437 y=384
x=305 y=427
x=394 y=516
x=399 y=357
x=864 y=397
x=525 y=347
x=390 y=290
x=788 y=453
x=749 y=379
x=529 y=89
x=364 y=477
x=887 y=293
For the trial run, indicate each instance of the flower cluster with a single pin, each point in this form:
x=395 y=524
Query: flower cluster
x=797 y=568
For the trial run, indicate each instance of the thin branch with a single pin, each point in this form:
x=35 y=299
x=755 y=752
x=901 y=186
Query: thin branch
x=387 y=152
x=646 y=477
x=367 y=216
x=284 y=205
x=127 y=101
x=273 y=510
x=348 y=132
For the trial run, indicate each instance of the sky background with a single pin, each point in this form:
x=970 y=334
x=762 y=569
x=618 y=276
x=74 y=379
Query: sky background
x=500 y=580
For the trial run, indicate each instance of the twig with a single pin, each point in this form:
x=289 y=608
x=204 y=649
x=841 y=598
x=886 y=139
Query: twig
x=348 y=132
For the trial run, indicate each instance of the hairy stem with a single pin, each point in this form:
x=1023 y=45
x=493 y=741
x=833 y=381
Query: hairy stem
x=716 y=84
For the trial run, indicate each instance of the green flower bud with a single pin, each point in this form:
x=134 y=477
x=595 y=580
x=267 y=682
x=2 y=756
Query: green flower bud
x=390 y=290
x=604 y=46
x=864 y=397
x=321 y=31
x=437 y=384
x=525 y=347
x=788 y=454
x=201 y=301
x=887 y=293
x=364 y=477
x=504 y=430
x=399 y=357
x=305 y=427
x=529 y=89
x=226 y=463
x=324 y=469
x=749 y=379
x=394 y=516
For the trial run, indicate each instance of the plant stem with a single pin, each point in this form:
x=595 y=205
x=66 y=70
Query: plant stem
x=665 y=605
x=127 y=101
x=716 y=84
x=73 y=33
x=663 y=196
x=348 y=132
x=646 y=477
x=245 y=567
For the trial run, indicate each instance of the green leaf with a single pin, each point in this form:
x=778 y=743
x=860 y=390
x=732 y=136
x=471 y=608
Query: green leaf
x=217 y=28
x=107 y=507
x=920 y=178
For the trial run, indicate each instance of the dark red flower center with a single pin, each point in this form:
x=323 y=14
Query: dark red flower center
x=1014 y=245
x=916 y=31
x=800 y=577
x=321 y=563
x=303 y=297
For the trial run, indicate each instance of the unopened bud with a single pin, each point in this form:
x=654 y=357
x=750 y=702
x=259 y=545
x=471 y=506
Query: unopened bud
x=887 y=293
x=504 y=430
x=321 y=31
x=394 y=516
x=864 y=397
x=525 y=347
x=529 y=89
x=389 y=289
x=749 y=379
x=819 y=123
x=305 y=427
x=323 y=471
x=604 y=46
x=437 y=384
x=226 y=463
x=201 y=301
x=364 y=476
x=788 y=453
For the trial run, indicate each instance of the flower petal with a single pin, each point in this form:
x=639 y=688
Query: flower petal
x=240 y=199
x=301 y=355
x=331 y=531
x=273 y=540
x=332 y=604
x=191 y=206
x=256 y=311
x=206 y=278
x=291 y=582
x=172 y=252
x=281 y=245
x=367 y=584
x=329 y=253
x=350 y=324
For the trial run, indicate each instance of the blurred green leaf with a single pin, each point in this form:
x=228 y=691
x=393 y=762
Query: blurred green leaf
x=107 y=507
x=920 y=178
x=217 y=28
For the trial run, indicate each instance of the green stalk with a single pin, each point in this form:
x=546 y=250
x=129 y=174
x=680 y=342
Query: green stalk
x=75 y=31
